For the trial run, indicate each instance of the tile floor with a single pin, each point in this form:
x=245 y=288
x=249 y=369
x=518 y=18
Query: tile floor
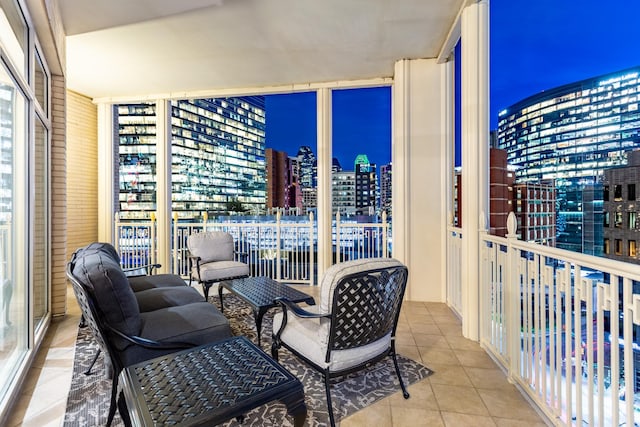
x=467 y=388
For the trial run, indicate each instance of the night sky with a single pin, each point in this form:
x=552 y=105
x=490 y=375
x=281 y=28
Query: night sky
x=535 y=46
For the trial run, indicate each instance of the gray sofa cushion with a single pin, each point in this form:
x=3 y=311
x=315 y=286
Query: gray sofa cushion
x=143 y=283
x=157 y=298
x=114 y=297
x=197 y=323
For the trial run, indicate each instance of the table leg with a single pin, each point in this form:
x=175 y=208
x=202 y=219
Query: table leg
x=258 y=315
x=296 y=407
x=220 y=295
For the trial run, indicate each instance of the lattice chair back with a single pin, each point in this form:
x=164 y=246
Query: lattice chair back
x=366 y=306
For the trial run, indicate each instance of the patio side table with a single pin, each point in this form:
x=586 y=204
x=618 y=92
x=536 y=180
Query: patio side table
x=208 y=385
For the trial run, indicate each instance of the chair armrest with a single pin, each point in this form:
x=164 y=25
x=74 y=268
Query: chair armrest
x=151 y=344
x=297 y=310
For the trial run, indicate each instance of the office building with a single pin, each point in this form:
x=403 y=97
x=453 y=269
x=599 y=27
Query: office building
x=217 y=154
x=535 y=209
x=571 y=134
x=343 y=193
x=501 y=181
x=367 y=195
x=621 y=225
x=385 y=189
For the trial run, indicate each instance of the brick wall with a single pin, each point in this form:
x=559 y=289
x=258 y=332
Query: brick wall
x=58 y=197
x=82 y=171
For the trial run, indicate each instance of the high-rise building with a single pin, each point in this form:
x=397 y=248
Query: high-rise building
x=307 y=166
x=218 y=156
x=535 y=210
x=367 y=194
x=621 y=209
x=571 y=134
x=343 y=193
x=279 y=178
x=385 y=189
x=501 y=181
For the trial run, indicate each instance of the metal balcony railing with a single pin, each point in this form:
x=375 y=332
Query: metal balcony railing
x=565 y=326
x=283 y=248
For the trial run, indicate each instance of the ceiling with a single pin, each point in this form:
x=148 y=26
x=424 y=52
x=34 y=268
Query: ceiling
x=124 y=48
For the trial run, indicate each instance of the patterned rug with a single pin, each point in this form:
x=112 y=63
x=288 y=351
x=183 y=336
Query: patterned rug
x=88 y=401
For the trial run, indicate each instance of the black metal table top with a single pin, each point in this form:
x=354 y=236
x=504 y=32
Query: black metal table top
x=261 y=291
x=208 y=385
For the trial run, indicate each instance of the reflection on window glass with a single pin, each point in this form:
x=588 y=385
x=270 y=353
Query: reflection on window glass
x=40 y=84
x=13 y=321
x=631 y=219
x=40 y=235
x=632 y=248
x=618 y=220
x=13 y=33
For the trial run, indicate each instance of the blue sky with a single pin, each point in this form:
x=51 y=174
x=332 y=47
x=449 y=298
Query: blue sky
x=535 y=46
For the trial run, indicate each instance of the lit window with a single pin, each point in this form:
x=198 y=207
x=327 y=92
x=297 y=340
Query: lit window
x=617 y=193
x=618 y=247
x=606 y=246
x=618 y=220
x=606 y=219
x=631 y=219
x=632 y=248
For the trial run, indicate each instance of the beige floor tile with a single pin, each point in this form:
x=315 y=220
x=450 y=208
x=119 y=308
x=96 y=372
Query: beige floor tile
x=409 y=351
x=449 y=374
x=417 y=318
x=403 y=417
x=405 y=338
x=461 y=343
x=420 y=396
x=493 y=379
x=510 y=405
x=446 y=319
x=450 y=329
x=438 y=356
x=452 y=419
x=378 y=414
x=475 y=359
x=431 y=340
x=464 y=400
x=506 y=422
x=425 y=328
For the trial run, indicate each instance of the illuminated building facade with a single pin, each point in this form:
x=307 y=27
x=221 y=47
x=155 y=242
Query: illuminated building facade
x=367 y=195
x=385 y=189
x=571 y=134
x=217 y=156
x=343 y=193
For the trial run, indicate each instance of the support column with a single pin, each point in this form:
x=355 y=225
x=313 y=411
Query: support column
x=475 y=153
x=163 y=185
x=106 y=174
x=325 y=245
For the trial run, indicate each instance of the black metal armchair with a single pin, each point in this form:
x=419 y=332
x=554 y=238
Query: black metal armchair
x=354 y=324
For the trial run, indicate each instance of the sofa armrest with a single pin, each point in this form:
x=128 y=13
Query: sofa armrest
x=151 y=344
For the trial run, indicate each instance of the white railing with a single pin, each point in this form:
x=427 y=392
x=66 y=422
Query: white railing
x=566 y=327
x=281 y=248
x=454 y=261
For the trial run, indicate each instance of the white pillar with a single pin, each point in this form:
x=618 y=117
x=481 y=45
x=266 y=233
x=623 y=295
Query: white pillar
x=163 y=184
x=106 y=174
x=325 y=248
x=475 y=149
x=419 y=197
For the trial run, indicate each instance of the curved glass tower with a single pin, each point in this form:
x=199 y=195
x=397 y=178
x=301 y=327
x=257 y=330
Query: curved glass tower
x=571 y=134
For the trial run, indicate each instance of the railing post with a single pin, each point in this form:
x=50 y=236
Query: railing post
x=153 y=246
x=175 y=244
x=311 y=246
x=337 y=237
x=512 y=298
x=385 y=236
x=116 y=244
x=278 y=245
x=205 y=219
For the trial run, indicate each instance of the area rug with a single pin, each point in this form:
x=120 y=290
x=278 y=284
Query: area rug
x=88 y=401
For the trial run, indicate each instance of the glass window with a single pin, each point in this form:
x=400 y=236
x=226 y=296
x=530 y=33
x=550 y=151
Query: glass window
x=618 y=247
x=618 y=220
x=631 y=191
x=632 y=248
x=40 y=234
x=606 y=219
x=41 y=84
x=631 y=220
x=606 y=246
x=13 y=237
x=606 y=193
x=13 y=34
x=617 y=192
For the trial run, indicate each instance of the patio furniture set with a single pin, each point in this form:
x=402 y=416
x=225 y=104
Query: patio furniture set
x=172 y=356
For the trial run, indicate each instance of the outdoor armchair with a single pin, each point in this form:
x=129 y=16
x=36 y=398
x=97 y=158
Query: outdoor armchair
x=353 y=326
x=212 y=259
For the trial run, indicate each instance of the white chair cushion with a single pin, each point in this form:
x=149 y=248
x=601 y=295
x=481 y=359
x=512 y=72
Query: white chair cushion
x=309 y=338
x=211 y=246
x=337 y=271
x=219 y=270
